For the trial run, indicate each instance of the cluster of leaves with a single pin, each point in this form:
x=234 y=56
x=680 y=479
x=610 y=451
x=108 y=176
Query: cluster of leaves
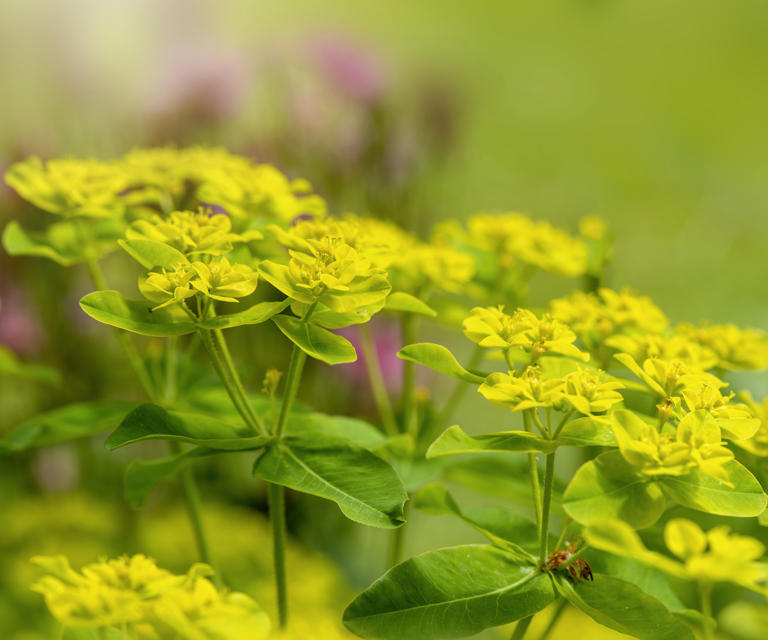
x=599 y=370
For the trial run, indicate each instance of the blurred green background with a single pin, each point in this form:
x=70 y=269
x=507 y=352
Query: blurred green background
x=651 y=115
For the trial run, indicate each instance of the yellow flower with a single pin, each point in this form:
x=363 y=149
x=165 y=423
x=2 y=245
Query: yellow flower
x=491 y=327
x=669 y=378
x=223 y=281
x=133 y=595
x=695 y=443
x=735 y=420
x=191 y=233
x=521 y=392
x=592 y=228
x=758 y=443
x=716 y=555
x=585 y=392
x=735 y=348
x=168 y=286
x=642 y=346
x=329 y=271
x=70 y=187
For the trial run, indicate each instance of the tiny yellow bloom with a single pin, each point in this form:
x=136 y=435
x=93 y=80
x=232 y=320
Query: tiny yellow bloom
x=223 y=281
x=168 y=286
x=522 y=392
x=587 y=394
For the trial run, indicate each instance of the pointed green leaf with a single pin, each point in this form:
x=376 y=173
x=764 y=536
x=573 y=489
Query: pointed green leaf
x=454 y=441
x=609 y=487
x=111 y=308
x=151 y=422
x=589 y=431
x=141 y=476
x=258 y=313
x=405 y=302
x=363 y=293
x=437 y=357
x=66 y=423
x=364 y=486
x=321 y=425
x=696 y=490
x=63 y=248
x=152 y=254
x=449 y=593
x=514 y=533
x=623 y=606
x=315 y=341
x=10 y=365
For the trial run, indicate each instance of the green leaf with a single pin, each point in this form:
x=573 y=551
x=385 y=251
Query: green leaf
x=588 y=431
x=454 y=441
x=151 y=422
x=405 y=302
x=152 y=253
x=321 y=425
x=609 y=487
x=514 y=533
x=111 y=308
x=365 y=293
x=622 y=606
x=141 y=476
x=258 y=313
x=702 y=492
x=449 y=593
x=364 y=486
x=437 y=357
x=59 y=243
x=66 y=423
x=10 y=365
x=315 y=341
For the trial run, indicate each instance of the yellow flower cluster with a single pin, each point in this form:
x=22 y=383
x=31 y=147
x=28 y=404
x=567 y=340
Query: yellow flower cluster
x=695 y=443
x=579 y=390
x=733 y=347
x=716 y=555
x=491 y=327
x=326 y=269
x=191 y=233
x=757 y=444
x=135 y=596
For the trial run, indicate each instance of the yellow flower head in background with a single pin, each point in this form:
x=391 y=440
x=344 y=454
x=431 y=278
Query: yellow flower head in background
x=758 y=442
x=191 y=233
x=735 y=348
x=592 y=228
x=642 y=346
x=133 y=594
x=70 y=187
x=526 y=391
x=716 y=555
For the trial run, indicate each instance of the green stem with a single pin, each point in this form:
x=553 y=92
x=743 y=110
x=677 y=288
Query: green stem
x=376 y=379
x=409 y=376
x=533 y=469
x=397 y=540
x=561 y=605
x=521 y=627
x=277 y=515
x=549 y=475
x=229 y=366
x=171 y=369
x=705 y=593
x=292 y=381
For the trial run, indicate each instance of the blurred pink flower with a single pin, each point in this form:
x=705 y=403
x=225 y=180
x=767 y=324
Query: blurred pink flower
x=350 y=68
x=387 y=340
x=19 y=329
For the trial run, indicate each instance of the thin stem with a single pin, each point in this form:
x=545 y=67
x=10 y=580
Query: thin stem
x=537 y=421
x=521 y=627
x=397 y=540
x=549 y=475
x=376 y=379
x=562 y=424
x=171 y=369
x=533 y=469
x=292 y=380
x=705 y=593
x=561 y=605
x=229 y=366
x=409 y=376
x=277 y=515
